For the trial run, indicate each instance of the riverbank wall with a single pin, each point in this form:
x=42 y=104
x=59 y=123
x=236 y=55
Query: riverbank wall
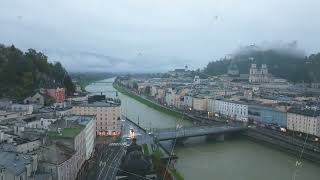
x=295 y=147
x=149 y=103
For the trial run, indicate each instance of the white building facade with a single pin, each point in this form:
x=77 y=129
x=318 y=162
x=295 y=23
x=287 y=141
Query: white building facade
x=231 y=109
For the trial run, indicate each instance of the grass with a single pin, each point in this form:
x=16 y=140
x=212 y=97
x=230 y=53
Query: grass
x=66 y=132
x=148 y=103
x=145 y=150
x=176 y=174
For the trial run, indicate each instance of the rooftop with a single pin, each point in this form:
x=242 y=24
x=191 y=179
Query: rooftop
x=66 y=132
x=14 y=162
x=100 y=104
x=305 y=111
x=56 y=153
x=83 y=119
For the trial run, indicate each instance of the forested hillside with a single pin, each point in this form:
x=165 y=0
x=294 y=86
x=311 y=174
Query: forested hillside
x=21 y=73
x=294 y=67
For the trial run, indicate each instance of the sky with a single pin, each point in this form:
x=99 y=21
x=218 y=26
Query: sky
x=154 y=35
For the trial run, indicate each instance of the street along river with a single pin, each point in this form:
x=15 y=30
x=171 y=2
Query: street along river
x=238 y=158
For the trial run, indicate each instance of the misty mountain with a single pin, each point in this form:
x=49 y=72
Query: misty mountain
x=87 y=61
x=285 y=61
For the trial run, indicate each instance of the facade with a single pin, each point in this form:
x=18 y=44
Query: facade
x=57 y=94
x=200 y=103
x=8 y=115
x=30 y=146
x=267 y=115
x=304 y=120
x=231 y=109
x=60 y=161
x=161 y=94
x=210 y=107
x=90 y=131
x=259 y=75
x=37 y=99
x=60 y=112
x=66 y=152
x=170 y=98
x=188 y=101
x=107 y=116
x=26 y=108
x=154 y=90
x=17 y=166
x=42 y=123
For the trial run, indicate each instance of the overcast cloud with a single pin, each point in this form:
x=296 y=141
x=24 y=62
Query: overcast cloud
x=153 y=35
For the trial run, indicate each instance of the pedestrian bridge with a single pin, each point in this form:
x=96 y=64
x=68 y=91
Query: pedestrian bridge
x=182 y=133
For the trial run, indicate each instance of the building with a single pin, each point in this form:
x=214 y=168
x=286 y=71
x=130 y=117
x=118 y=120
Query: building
x=25 y=108
x=231 y=109
x=90 y=131
x=60 y=161
x=210 y=105
x=5 y=103
x=37 y=99
x=107 y=112
x=65 y=111
x=199 y=103
x=17 y=166
x=8 y=115
x=267 y=114
x=170 y=97
x=188 y=101
x=42 y=123
x=57 y=94
x=65 y=152
x=259 y=75
x=305 y=120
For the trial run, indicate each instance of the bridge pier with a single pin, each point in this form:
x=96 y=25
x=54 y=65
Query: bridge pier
x=180 y=141
x=219 y=137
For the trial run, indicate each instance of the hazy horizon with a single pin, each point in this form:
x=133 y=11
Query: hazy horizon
x=154 y=36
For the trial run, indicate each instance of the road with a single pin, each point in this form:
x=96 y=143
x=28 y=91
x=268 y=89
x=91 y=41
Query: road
x=109 y=161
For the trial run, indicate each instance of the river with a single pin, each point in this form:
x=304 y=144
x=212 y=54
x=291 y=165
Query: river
x=236 y=159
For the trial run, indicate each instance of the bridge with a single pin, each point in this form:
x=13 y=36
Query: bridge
x=184 y=133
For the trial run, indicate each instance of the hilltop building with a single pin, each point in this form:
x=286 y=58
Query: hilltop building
x=259 y=75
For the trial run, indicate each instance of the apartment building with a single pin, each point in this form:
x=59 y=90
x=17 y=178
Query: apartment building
x=108 y=115
x=267 y=114
x=236 y=110
x=200 y=103
x=65 y=152
x=304 y=120
x=90 y=131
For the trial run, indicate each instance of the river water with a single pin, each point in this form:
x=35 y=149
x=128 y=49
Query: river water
x=236 y=159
